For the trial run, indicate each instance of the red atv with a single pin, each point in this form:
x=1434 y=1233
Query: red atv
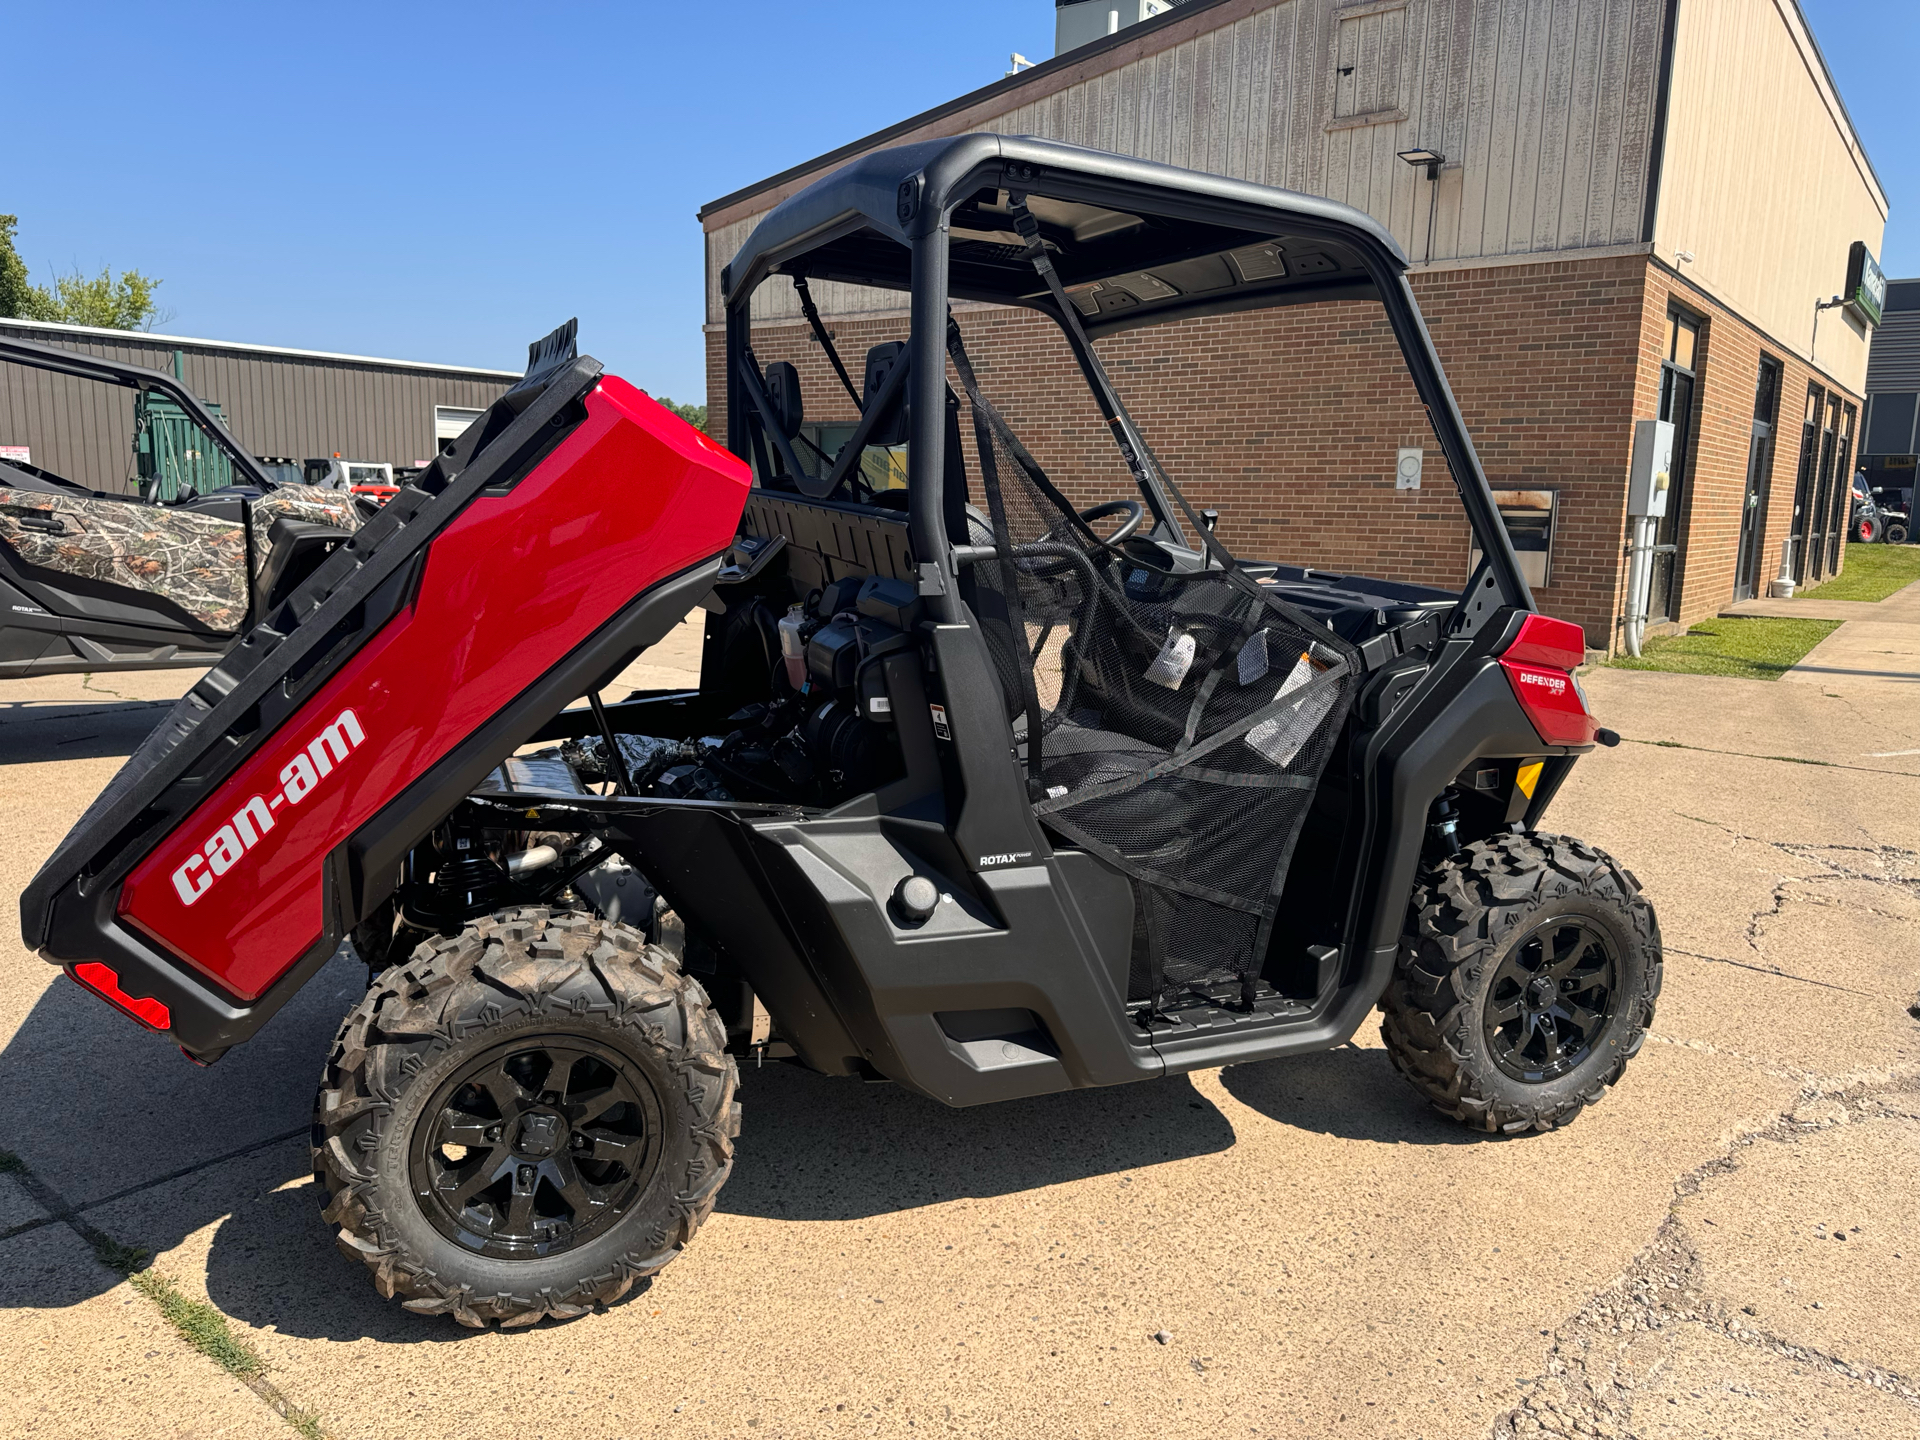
x=1013 y=780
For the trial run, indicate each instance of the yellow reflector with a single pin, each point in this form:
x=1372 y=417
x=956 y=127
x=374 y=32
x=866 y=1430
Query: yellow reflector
x=1529 y=777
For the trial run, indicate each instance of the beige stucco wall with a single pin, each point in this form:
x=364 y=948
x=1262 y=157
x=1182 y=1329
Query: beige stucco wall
x=1764 y=182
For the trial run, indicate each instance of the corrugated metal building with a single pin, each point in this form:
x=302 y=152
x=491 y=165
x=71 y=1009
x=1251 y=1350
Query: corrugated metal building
x=1890 y=444
x=299 y=404
x=1685 y=167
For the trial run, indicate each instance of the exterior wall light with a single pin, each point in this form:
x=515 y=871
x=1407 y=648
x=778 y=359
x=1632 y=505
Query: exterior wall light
x=1432 y=160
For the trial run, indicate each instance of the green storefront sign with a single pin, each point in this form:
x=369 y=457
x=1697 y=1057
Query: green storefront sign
x=1866 y=290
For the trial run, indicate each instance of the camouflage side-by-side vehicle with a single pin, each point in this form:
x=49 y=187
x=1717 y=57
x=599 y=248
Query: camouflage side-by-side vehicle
x=98 y=581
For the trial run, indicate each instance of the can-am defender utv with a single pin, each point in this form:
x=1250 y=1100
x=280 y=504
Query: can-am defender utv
x=94 y=581
x=986 y=790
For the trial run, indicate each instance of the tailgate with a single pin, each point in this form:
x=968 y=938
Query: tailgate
x=572 y=525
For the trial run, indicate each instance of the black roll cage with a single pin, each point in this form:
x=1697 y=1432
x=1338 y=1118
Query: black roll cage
x=908 y=196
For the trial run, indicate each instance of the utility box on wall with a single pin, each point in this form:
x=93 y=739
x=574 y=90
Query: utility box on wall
x=1651 y=479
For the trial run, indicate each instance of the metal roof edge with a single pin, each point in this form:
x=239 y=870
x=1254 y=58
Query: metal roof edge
x=105 y=333
x=1003 y=86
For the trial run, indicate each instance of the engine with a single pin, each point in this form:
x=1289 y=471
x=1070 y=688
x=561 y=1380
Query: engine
x=825 y=733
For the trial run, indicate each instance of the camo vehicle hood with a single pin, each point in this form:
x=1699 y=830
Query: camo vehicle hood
x=195 y=560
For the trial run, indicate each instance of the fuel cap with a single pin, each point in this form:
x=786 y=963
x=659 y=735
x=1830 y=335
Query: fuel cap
x=916 y=896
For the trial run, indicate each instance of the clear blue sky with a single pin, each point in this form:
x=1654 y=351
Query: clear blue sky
x=447 y=182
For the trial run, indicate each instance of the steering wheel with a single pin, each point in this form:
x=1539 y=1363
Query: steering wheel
x=1135 y=512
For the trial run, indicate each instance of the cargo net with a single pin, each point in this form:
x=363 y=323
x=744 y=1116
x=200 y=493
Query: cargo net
x=1175 y=725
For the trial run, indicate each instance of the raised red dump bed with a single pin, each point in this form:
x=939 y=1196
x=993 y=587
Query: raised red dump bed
x=268 y=814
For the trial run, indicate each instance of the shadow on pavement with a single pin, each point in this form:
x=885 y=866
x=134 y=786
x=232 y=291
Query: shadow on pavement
x=1350 y=1093
x=96 y=1107
x=30 y=734
x=812 y=1148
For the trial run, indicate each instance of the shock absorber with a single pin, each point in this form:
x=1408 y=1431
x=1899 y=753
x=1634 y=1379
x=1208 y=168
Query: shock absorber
x=1443 y=830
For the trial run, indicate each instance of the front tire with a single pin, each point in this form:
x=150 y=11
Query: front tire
x=523 y=1119
x=1526 y=980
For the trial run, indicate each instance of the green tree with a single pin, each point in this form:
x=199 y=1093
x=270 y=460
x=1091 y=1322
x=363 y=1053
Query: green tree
x=115 y=302
x=15 y=293
x=694 y=415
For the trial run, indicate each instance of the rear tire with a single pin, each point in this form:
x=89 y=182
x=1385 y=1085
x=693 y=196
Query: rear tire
x=523 y=1119
x=1897 y=533
x=1526 y=980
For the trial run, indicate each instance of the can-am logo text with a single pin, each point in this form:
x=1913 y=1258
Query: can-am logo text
x=298 y=777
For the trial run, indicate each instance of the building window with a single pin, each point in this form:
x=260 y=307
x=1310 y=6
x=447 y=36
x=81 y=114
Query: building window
x=1841 y=501
x=1750 y=563
x=1821 y=490
x=1678 y=375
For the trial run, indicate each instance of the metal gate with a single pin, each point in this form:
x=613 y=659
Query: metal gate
x=174 y=454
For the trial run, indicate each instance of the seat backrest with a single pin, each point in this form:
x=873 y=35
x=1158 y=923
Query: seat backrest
x=783 y=390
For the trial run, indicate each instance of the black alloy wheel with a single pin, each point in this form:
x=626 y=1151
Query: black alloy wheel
x=536 y=1146
x=1527 y=977
x=524 y=1120
x=1551 y=999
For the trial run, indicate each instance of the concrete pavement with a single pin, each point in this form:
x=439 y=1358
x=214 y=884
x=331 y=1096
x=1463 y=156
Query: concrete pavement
x=1324 y=1256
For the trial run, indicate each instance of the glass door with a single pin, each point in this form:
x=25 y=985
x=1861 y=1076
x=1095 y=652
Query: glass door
x=1676 y=407
x=1750 y=564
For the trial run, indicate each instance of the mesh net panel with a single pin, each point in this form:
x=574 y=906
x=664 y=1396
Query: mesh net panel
x=1183 y=720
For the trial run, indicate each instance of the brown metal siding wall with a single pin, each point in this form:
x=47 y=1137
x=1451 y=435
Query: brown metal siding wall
x=292 y=405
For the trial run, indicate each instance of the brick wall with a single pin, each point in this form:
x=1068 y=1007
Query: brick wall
x=1287 y=421
x=1714 y=497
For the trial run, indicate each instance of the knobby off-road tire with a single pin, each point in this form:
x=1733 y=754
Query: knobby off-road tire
x=587 y=1073
x=1526 y=980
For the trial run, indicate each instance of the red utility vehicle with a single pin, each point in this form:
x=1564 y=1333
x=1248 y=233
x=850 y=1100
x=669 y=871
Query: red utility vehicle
x=1013 y=780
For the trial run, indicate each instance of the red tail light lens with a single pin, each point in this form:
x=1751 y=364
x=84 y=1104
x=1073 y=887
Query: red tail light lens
x=104 y=981
x=1539 y=665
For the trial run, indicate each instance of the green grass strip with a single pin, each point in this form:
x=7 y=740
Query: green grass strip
x=202 y=1326
x=1872 y=572
x=1750 y=647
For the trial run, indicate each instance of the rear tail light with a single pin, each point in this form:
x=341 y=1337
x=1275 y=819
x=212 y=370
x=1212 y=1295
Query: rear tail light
x=1539 y=665
x=104 y=981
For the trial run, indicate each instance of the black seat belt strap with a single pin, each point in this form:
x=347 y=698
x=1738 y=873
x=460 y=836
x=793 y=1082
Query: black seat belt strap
x=1133 y=447
x=983 y=439
x=812 y=312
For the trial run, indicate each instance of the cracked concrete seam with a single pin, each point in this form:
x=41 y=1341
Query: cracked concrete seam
x=1777 y=759
x=1808 y=854
x=58 y=1216
x=126 y=1260
x=1589 y=1383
